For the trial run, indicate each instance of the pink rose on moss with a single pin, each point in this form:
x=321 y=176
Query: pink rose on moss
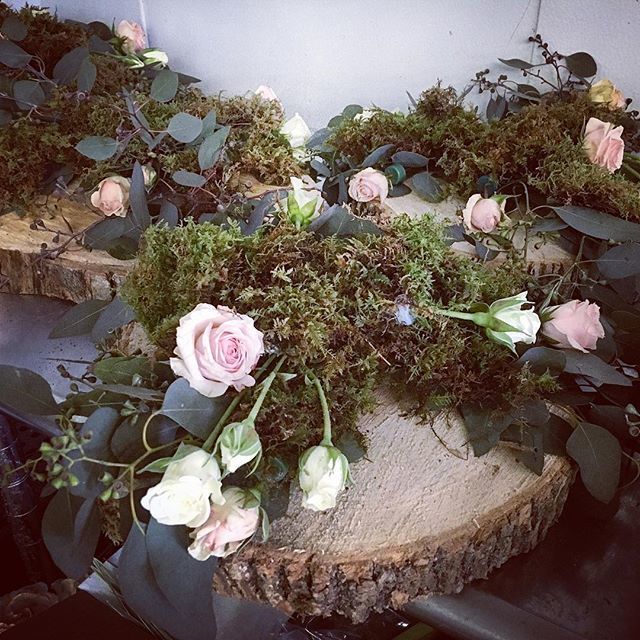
x=482 y=214
x=603 y=144
x=216 y=349
x=228 y=526
x=574 y=325
x=112 y=196
x=369 y=184
x=133 y=36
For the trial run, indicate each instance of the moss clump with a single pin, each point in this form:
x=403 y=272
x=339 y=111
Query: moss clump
x=540 y=145
x=330 y=304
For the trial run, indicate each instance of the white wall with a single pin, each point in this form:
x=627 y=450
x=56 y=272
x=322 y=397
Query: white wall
x=320 y=55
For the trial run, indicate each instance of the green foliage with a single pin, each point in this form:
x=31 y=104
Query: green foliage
x=329 y=303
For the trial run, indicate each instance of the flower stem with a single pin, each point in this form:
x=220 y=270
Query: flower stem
x=455 y=314
x=326 y=417
x=266 y=385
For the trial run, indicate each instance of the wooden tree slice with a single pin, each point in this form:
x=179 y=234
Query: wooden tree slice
x=423 y=516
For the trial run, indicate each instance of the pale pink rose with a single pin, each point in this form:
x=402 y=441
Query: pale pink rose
x=266 y=93
x=216 y=349
x=574 y=325
x=134 y=36
x=603 y=144
x=368 y=185
x=482 y=214
x=228 y=526
x=605 y=92
x=112 y=196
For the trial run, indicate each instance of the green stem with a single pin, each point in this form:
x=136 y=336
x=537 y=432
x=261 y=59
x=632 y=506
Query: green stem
x=266 y=385
x=145 y=442
x=456 y=314
x=326 y=417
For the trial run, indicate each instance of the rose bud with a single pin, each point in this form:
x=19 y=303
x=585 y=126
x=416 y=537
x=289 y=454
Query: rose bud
x=482 y=214
x=112 y=196
x=184 y=495
x=296 y=131
x=216 y=349
x=603 y=144
x=228 y=525
x=302 y=204
x=133 y=37
x=605 y=92
x=369 y=184
x=574 y=325
x=238 y=444
x=323 y=472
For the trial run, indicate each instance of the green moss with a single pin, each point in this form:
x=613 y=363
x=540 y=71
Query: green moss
x=329 y=304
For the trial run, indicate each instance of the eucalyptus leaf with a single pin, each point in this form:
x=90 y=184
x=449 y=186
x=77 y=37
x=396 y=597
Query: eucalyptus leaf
x=351 y=111
x=97 y=147
x=115 y=315
x=318 y=137
x=68 y=67
x=581 y=64
x=350 y=447
x=12 y=55
x=598 y=224
x=121 y=369
x=191 y=410
x=13 y=28
x=189 y=179
x=5 y=117
x=410 y=159
x=621 y=261
x=79 y=319
x=26 y=391
x=483 y=428
x=209 y=123
x=164 y=86
x=592 y=367
x=86 y=75
x=184 y=127
x=516 y=63
x=427 y=187
x=138 y=200
x=103 y=234
x=399 y=190
x=28 y=94
x=338 y=221
x=542 y=359
x=169 y=213
x=377 y=155
x=70 y=530
x=209 y=150
x=598 y=454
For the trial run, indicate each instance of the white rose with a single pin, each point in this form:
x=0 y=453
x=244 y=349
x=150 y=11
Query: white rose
x=188 y=486
x=296 y=131
x=525 y=322
x=302 y=204
x=238 y=444
x=366 y=114
x=323 y=472
x=228 y=525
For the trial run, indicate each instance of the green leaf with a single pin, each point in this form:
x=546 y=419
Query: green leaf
x=598 y=455
x=86 y=75
x=184 y=127
x=70 y=530
x=427 y=187
x=121 y=369
x=126 y=442
x=188 y=179
x=620 y=262
x=277 y=500
x=338 y=221
x=138 y=201
x=191 y=410
x=164 y=85
x=97 y=147
x=141 y=393
x=516 y=63
x=318 y=137
x=79 y=319
x=209 y=123
x=351 y=111
x=28 y=94
x=350 y=447
x=377 y=155
x=555 y=435
x=598 y=224
x=68 y=67
x=210 y=148
x=410 y=159
x=5 y=117
x=169 y=213
x=581 y=64
x=102 y=236
x=14 y=28
x=26 y=391
x=541 y=359
x=483 y=428
x=12 y=55
x=115 y=315
x=592 y=367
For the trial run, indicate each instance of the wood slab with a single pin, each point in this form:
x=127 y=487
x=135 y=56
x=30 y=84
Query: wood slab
x=423 y=517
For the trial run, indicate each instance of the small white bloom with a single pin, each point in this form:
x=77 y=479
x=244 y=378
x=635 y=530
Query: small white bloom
x=302 y=204
x=149 y=174
x=296 y=131
x=366 y=114
x=323 y=472
x=188 y=485
x=228 y=525
x=525 y=323
x=238 y=444
x=154 y=56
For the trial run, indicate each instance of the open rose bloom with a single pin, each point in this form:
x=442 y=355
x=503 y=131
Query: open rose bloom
x=112 y=196
x=574 y=325
x=369 y=184
x=133 y=36
x=604 y=144
x=216 y=349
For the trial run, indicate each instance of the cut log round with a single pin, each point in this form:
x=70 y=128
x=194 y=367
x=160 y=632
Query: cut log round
x=423 y=516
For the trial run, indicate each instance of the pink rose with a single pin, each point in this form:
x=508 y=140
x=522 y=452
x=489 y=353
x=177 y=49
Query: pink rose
x=603 y=144
x=482 y=214
x=112 y=196
x=574 y=325
x=229 y=524
x=266 y=93
x=134 y=38
x=216 y=349
x=368 y=185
